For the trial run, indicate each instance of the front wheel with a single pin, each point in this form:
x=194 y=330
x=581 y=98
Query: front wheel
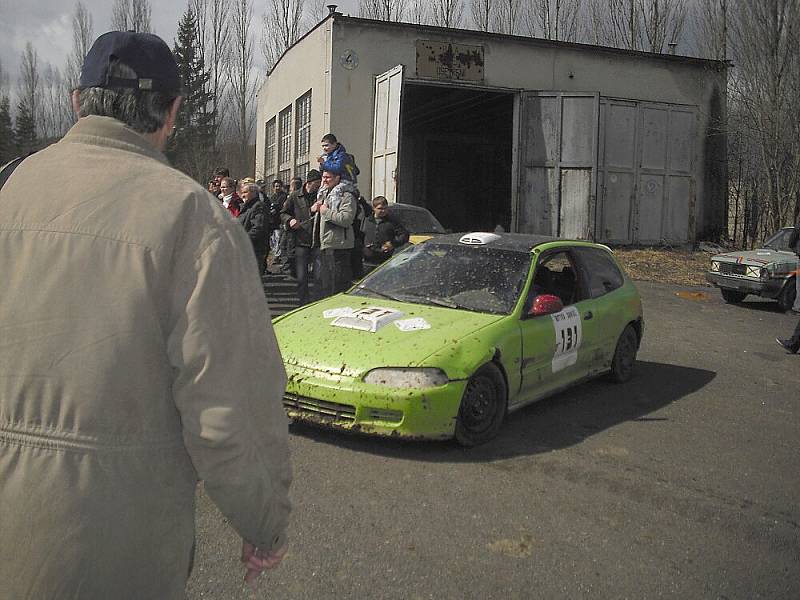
x=483 y=407
x=732 y=296
x=787 y=296
x=624 y=355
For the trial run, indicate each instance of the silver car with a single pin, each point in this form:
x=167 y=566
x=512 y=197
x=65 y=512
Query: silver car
x=768 y=272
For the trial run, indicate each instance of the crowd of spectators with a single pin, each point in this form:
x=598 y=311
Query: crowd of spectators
x=316 y=229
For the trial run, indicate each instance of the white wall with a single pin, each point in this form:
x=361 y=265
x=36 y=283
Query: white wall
x=304 y=67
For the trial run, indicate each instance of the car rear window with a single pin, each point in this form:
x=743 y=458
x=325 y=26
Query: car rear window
x=417 y=221
x=602 y=273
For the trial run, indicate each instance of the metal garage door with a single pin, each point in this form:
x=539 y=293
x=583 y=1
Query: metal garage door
x=557 y=150
x=646 y=178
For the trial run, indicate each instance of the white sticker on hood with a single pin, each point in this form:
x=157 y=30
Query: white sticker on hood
x=371 y=318
x=567 y=324
x=332 y=313
x=414 y=324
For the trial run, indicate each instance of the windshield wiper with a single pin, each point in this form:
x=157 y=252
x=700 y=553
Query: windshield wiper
x=437 y=301
x=377 y=293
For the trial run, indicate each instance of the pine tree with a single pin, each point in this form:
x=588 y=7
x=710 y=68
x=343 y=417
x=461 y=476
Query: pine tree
x=25 y=131
x=7 y=148
x=192 y=148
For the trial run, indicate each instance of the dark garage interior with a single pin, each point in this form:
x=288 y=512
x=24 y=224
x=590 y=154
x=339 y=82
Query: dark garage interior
x=455 y=155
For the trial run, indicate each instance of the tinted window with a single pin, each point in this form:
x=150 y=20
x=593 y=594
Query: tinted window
x=417 y=221
x=555 y=275
x=602 y=273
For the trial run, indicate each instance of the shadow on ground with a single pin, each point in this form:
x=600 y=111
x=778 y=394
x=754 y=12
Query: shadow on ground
x=556 y=422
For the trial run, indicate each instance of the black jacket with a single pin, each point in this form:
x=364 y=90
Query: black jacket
x=297 y=207
x=253 y=219
x=379 y=231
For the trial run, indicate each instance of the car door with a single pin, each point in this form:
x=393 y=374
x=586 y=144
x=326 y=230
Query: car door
x=557 y=348
x=611 y=303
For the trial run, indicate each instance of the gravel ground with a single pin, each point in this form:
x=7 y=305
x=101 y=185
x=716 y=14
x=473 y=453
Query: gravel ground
x=665 y=265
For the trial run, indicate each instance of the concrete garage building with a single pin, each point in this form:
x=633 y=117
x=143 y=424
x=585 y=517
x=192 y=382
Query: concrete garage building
x=487 y=129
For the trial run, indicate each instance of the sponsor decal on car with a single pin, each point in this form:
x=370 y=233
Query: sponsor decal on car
x=569 y=334
x=414 y=324
x=371 y=318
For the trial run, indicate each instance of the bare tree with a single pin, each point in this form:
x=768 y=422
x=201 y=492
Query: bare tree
x=711 y=26
x=551 y=19
x=317 y=11
x=52 y=117
x=419 y=12
x=282 y=28
x=382 y=10
x=614 y=23
x=762 y=103
x=82 y=35
x=662 y=22
x=506 y=18
x=447 y=13
x=131 y=15
x=482 y=14
x=30 y=80
x=240 y=72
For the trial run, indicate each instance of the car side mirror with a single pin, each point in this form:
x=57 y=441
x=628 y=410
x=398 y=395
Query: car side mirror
x=545 y=304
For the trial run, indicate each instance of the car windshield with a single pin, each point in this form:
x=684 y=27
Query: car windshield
x=779 y=241
x=476 y=278
x=418 y=221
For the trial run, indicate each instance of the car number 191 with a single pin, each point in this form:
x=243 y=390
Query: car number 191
x=567 y=324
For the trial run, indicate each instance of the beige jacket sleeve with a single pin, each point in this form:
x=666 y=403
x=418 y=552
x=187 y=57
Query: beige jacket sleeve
x=229 y=383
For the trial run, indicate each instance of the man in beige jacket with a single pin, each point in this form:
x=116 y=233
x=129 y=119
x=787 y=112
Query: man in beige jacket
x=124 y=315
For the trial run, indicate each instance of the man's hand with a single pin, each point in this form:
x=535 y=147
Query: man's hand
x=256 y=561
x=294 y=224
x=315 y=207
x=323 y=208
x=387 y=246
x=320 y=159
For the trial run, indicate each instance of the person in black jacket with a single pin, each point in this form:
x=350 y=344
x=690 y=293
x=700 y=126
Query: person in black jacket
x=298 y=222
x=383 y=234
x=253 y=219
x=793 y=343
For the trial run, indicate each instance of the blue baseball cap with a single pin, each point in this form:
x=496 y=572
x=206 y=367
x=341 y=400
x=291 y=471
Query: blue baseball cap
x=147 y=54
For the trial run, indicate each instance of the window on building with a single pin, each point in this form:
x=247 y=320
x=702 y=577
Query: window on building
x=301 y=171
x=269 y=149
x=302 y=120
x=285 y=141
x=285 y=175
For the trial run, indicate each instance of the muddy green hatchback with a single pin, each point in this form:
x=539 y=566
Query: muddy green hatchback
x=451 y=335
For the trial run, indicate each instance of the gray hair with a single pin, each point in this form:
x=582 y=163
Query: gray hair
x=251 y=187
x=141 y=110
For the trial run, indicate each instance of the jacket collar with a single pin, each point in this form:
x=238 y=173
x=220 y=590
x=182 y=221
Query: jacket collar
x=108 y=132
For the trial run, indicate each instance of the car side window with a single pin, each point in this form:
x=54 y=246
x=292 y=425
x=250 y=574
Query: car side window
x=555 y=274
x=602 y=273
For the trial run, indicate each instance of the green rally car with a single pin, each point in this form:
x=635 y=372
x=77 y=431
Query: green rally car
x=450 y=335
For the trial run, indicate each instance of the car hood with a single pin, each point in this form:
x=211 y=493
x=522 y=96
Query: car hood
x=760 y=257
x=405 y=334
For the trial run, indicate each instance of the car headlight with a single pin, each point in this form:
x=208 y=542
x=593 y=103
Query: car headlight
x=756 y=272
x=714 y=266
x=397 y=377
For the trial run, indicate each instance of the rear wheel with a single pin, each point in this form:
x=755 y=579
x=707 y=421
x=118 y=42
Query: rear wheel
x=624 y=355
x=483 y=407
x=732 y=296
x=786 y=297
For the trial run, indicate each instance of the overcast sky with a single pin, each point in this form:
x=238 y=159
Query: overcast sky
x=48 y=25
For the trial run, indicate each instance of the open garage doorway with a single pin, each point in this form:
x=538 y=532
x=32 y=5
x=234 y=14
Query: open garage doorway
x=456 y=153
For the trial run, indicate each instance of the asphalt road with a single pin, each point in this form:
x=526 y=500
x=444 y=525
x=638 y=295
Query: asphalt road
x=682 y=483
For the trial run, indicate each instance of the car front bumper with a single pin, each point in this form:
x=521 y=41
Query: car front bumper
x=767 y=288
x=342 y=402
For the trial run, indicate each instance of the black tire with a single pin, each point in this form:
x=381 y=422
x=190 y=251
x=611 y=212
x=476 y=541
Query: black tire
x=786 y=297
x=732 y=296
x=483 y=407
x=624 y=355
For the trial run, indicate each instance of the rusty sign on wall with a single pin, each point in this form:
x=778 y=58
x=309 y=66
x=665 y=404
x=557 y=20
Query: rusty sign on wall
x=443 y=60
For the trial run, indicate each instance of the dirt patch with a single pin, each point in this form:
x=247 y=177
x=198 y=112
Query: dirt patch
x=665 y=265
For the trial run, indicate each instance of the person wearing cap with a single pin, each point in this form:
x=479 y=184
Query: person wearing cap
x=298 y=222
x=334 y=210
x=125 y=316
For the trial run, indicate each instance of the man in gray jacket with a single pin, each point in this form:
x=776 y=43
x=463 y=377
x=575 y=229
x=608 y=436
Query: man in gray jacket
x=335 y=210
x=124 y=318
